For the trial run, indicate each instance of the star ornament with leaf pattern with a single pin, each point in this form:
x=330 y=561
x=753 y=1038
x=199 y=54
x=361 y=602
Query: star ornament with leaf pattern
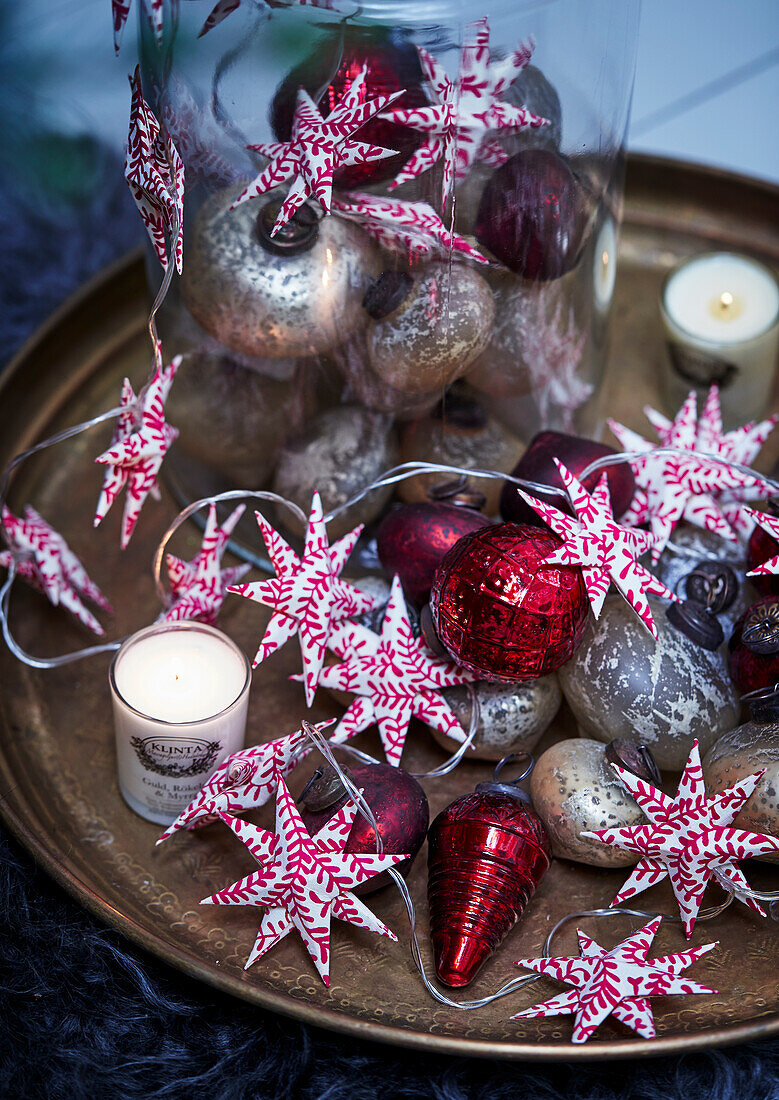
x=605 y=551
x=617 y=982
x=688 y=839
x=304 y=881
x=307 y=595
x=197 y=587
x=770 y=525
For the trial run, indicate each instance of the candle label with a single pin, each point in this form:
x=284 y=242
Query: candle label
x=699 y=369
x=176 y=757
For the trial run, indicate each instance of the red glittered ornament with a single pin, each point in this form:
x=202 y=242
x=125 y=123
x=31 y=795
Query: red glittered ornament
x=487 y=852
x=762 y=547
x=531 y=215
x=753 y=655
x=326 y=75
x=413 y=540
x=502 y=615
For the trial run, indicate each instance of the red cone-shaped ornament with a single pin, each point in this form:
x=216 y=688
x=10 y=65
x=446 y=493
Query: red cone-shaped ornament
x=487 y=852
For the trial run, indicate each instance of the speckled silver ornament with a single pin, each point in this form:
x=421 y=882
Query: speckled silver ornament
x=574 y=789
x=338 y=454
x=500 y=370
x=365 y=387
x=439 y=328
x=689 y=545
x=276 y=305
x=512 y=717
x=740 y=753
x=664 y=693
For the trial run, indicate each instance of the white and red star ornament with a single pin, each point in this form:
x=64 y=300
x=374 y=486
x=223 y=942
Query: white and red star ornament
x=605 y=551
x=155 y=174
x=303 y=881
x=120 y=9
x=317 y=147
x=307 y=595
x=246 y=780
x=141 y=440
x=393 y=677
x=688 y=839
x=411 y=229
x=197 y=587
x=466 y=112
x=616 y=982
x=46 y=562
x=770 y=525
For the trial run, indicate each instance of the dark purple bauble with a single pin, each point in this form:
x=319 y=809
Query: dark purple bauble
x=413 y=540
x=761 y=549
x=392 y=65
x=402 y=815
x=754 y=646
x=532 y=215
x=575 y=452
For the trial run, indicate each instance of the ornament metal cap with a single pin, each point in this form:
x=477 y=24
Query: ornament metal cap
x=297 y=235
x=760 y=631
x=697 y=622
x=388 y=291
x=635 y=758
x=763 y=705
x=712 y=583
x=510 y=787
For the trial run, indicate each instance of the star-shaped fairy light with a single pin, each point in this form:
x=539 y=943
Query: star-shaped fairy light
x=317 y=147
x=688 y=839
x=412 y=229
x=616 y=982
x=394 y=678
x=246 y=780
x=46 y=562
x=141 y=440
x=307 y=595
x=465 y=112
x=770 y=525
x=154 y=14
x=605 y=551
x=155 y=174
x=304 y=880
x=674 y=487
x=197 y=587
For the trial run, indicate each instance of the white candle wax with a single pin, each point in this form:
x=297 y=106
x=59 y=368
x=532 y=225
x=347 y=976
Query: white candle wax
x=180 y=694
x=605 y=265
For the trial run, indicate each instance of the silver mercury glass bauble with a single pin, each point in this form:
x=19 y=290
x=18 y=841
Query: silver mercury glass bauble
x=574 y=790
x=664 y=693
x=299 y=294
x=512 y=717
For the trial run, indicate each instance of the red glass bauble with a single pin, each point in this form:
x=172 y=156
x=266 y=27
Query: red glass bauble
x=413 y=540
x=502 y=616
x=487 y=852
x=761 y=549
x=751 y=670
x=399 y=805
x=391 y=66
x=531 y=215
x=575 y=452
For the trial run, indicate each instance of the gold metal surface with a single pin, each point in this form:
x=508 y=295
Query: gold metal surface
x=58 y=790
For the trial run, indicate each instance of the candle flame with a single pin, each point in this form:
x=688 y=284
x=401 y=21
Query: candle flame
x=726 y=306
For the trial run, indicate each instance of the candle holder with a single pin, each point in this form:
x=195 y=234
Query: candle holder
x=180 y=694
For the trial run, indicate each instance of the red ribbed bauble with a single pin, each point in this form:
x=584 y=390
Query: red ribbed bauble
x=487 y=852
x=391 y=66
x=502 y=616
x=575 y=452
x=413 y=540
x=531 y=215
x=753 y=654
x=761 y=549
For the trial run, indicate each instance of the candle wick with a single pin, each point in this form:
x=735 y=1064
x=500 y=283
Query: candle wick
x=726 y=300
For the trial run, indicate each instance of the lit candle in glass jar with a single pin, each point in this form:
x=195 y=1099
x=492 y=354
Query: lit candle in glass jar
x=180 y=693
x=721 y=318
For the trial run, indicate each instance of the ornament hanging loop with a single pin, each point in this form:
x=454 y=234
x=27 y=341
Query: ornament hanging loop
x=509 y=787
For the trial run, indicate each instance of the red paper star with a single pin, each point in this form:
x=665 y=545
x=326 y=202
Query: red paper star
x=306 y=594
x=141 y=440
x=245 y=780
x=155 y=174
x=316 y=148
x=617 y=982
x=197 y=587
x=304 y=880
x=770 y=525
x=605 y=551
x=394 y=678
x=675 y=487
x=47 y=563
x=465 y=112
x=687 y=839
x=154 y=14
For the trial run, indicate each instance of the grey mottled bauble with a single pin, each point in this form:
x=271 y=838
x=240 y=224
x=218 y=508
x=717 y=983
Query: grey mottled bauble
x=748 y=749
x=500 y=370
x=365 y=387
x=575 y=790
x=437 y=330
x=259 y=303
x=664 y=693
x=696 y=544
x=341 y=452
x=512 y=717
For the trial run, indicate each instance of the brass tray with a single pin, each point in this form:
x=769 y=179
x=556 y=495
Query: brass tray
x=58 y=791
